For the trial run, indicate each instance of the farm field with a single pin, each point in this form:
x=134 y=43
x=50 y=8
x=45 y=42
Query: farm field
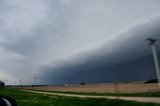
x=101 y=88
x=32 y=99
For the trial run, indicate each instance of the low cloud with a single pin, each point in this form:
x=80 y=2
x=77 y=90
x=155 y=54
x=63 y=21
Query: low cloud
x=54 y=38
x=129 y=46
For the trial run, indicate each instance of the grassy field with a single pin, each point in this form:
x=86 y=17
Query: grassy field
x=31 y=99
x=110 y=89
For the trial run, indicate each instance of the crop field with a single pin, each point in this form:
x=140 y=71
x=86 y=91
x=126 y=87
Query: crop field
x=101 y=88
x=32 y=99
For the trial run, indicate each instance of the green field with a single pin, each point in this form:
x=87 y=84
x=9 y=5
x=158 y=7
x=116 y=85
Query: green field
x=31 y=99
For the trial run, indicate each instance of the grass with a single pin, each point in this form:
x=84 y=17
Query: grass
x=32 y=99
x=72 y=101
x=27 y=99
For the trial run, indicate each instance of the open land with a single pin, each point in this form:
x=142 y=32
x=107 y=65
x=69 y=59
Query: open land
x=24 y=98
x=101 y=88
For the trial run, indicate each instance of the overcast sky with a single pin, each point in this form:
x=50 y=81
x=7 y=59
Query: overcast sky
x=57 y=40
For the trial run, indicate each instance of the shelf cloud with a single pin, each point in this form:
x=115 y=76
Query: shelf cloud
x=60 y=41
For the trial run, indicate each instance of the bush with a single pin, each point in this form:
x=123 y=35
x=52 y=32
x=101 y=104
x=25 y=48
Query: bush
x=152 y=81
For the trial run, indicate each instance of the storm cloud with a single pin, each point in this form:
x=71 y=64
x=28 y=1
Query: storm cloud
x=61 y=41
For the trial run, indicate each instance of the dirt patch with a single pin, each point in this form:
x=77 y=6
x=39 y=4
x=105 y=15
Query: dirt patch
x=101 y=88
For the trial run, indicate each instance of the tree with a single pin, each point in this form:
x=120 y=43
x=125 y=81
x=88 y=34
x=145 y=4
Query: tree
x=82 y=83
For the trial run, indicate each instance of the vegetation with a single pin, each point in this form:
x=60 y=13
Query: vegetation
x=32 y=99
x=82 y=83
x=27 y=99
x=152 y=81
x=72 y=101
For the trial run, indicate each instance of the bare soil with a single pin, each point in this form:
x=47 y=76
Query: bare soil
x=102 y=88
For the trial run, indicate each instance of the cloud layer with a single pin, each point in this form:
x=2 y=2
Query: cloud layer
x=56 y=38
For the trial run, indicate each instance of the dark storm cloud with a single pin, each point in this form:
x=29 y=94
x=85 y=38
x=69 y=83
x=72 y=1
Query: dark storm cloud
x=126 y=58
x=54 y=39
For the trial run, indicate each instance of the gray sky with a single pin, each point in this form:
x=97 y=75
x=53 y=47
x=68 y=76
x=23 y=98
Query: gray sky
x=50 y=38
